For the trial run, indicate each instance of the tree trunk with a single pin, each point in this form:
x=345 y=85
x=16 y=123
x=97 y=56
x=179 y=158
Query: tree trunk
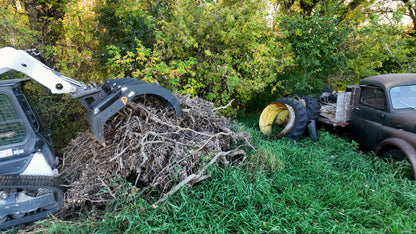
x=46 y=18
x=412 y=14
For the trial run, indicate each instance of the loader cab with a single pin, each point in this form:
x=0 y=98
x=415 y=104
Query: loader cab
x=20 y=135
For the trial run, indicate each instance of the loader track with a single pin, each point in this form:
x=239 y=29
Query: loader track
x=18 y=184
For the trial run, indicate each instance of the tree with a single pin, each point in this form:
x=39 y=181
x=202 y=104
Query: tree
x=342 y=9
x=397 y=9
x=411 y=12
x=14 y=30
x=379 y=48
x=217 y=50
x=237 y=53
x=45 y=16
x=76 y=50
x=121 y=23
x=317 y=41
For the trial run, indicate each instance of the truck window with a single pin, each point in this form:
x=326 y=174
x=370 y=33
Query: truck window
x=403 y=96
x=373 y=96
x=12 y=128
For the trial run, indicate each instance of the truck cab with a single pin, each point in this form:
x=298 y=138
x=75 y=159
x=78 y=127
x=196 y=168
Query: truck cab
x=383 y=115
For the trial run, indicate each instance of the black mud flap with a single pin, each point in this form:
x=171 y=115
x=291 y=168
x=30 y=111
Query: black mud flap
x=312 y=130
x=119 y=93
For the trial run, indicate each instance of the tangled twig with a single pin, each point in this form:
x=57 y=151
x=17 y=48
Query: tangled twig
x=148 y=146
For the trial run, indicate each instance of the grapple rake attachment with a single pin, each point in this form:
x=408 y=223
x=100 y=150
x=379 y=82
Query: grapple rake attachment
x=114 y=95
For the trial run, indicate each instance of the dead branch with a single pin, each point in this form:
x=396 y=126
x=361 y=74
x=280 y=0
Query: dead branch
x=148 y=146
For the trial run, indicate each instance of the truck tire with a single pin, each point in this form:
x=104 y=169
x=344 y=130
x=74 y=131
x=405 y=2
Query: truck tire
x=313 y=108
x=297 y=118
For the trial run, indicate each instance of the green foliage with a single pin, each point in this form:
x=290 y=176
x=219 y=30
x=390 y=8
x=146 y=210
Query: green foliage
x=347 y=11
x=319 y=46
x=219 y=50
x=121 y=23
x=45 y=17
x=14 y=30
x=299 y=84
x=145 y=64
x=381 y=48
x=75 y=54
x=237 y=54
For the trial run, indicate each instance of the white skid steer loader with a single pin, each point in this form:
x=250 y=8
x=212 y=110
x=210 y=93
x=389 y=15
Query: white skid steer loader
x=30 y=188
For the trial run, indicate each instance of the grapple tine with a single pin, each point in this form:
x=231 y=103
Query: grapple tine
x=116 y=94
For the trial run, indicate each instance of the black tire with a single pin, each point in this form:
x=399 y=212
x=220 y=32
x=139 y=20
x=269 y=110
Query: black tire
x=301 y=118
x=313 y=108
x=394 y=154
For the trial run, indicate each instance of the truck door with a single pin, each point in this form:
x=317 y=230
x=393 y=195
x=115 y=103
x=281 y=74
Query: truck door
x=368 y=116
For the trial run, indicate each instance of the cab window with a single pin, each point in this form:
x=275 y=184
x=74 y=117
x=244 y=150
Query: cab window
x=373 y=96
x=12 y=128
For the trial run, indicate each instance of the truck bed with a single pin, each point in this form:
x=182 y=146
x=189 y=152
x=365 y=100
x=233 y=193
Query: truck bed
x=337 y=114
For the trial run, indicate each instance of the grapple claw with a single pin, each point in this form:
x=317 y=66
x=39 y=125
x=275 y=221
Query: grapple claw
x=116 y=94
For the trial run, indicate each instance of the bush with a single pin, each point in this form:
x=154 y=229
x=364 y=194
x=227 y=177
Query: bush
x=223 y=50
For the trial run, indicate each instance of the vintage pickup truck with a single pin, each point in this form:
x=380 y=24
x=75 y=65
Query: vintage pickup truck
x=381 y=111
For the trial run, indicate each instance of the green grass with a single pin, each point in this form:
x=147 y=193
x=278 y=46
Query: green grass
x=284 y=186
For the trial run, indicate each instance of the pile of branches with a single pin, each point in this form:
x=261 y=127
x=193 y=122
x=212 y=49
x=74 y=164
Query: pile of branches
x=153 y=149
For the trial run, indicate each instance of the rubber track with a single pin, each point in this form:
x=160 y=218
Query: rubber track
x=31 y=182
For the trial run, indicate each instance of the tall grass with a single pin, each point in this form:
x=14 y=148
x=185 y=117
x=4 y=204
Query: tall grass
x=284 y=186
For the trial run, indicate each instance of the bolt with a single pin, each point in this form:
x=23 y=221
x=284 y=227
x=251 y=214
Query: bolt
x=4 y=195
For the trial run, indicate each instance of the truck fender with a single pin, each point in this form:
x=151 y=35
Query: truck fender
x=402 y=145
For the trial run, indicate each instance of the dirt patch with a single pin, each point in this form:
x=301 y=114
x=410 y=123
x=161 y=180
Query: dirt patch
x=150 y=147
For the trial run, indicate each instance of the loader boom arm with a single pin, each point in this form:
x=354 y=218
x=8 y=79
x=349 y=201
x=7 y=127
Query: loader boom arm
x=19 y=60
x=101 y=102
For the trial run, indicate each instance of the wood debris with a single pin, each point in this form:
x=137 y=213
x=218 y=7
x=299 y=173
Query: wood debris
x=150 y=147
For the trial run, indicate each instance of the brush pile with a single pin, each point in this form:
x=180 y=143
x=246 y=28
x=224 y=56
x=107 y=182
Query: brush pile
x=150 y=147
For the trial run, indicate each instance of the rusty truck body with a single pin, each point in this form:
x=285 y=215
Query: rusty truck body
x=381 y=111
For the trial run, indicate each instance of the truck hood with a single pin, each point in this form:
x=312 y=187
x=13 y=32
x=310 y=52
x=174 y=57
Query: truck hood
x=404 y=120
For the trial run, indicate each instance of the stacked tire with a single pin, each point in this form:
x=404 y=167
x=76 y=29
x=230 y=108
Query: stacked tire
x=302 y=116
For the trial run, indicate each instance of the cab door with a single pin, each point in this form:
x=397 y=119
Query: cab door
x=368 y=117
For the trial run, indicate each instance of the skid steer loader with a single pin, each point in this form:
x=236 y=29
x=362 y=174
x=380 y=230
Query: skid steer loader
x=30 y=188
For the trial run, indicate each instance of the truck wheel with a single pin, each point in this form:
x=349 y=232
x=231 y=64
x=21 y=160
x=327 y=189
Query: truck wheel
x=313 y=108
x=287 y=113
x=394 y=154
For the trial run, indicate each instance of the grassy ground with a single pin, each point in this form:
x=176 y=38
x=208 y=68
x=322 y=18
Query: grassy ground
x=285 y=186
